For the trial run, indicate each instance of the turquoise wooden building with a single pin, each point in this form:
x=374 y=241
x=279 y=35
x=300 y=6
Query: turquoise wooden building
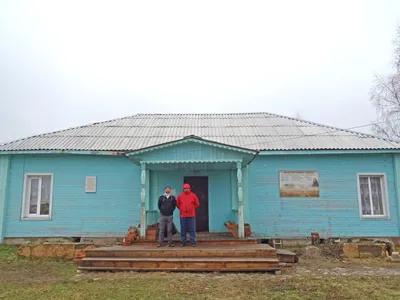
x=283 y=176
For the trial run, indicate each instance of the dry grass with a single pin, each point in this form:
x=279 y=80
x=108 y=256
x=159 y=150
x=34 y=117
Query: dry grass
x=57 y=279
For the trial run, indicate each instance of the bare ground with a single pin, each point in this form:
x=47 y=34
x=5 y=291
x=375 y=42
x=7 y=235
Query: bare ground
x=311 y=279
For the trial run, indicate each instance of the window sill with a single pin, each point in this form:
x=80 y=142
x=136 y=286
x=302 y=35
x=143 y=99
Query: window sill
x=36 y=219
x=375 y=218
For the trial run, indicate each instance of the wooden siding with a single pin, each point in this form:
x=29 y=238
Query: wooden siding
x=108 y=212
x=334 y=213
x=116 y=203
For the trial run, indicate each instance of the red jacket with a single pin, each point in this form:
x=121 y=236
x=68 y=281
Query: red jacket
x=187 y=204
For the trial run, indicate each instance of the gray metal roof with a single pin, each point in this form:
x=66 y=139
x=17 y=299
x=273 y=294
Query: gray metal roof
x=259 y=131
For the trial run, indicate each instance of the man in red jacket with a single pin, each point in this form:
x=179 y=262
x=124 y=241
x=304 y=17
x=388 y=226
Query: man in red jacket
x=187 y=202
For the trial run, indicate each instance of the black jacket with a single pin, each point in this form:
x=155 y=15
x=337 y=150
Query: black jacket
x=166 y=205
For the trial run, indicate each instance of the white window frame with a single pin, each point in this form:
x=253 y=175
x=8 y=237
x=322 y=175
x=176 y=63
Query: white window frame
x=385 y=196
x=25 y=199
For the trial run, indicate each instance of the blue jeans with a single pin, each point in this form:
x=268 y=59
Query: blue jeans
x=188 y=224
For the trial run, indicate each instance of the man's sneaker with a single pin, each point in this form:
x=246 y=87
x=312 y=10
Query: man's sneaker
x=193 y=245
x=159 y=245
x=171 y=245
x=183 y=245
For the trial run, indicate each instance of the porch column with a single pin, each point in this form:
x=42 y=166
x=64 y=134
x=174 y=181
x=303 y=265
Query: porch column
x=240 y=200
x=143 y=202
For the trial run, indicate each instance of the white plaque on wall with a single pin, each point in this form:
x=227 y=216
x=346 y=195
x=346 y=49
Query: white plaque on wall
x=90 y=185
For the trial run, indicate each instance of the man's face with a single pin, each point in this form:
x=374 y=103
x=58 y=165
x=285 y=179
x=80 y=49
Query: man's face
x=186 y=190
x=167 y=190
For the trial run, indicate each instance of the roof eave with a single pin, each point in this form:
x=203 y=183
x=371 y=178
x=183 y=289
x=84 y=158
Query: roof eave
x=328 y=151
x=62 y=152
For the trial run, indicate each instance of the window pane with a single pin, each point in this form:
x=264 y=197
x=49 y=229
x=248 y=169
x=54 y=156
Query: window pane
x=365 y=199
x=33 y=196
x=377 y=197
x=45 y=196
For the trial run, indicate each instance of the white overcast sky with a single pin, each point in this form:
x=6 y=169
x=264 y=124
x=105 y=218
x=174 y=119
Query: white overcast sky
x=69 y=63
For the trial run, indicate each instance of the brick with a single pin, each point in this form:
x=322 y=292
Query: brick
x=25 y=250
x=313 y=252
x=366 y=251
x=351 y=250
x=396 y=256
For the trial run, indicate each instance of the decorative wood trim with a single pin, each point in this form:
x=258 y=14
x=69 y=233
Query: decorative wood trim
x=143 y=201
x=154 y=186
x=4 y=173
x=191 y=161
x=192 y=140
x=396 y=163
x=58 y=152
x=234 y=200
x=240 y=200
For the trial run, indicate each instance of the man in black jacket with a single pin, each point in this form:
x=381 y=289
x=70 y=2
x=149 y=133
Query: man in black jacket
x=166 y=205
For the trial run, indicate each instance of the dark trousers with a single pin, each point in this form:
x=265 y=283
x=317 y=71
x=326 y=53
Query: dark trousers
x=165 y=221
x=188 y=224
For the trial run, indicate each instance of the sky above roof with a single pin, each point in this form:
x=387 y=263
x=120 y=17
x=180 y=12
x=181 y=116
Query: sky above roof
x=70 y=63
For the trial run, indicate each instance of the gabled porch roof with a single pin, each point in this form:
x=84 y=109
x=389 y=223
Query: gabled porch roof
x=192 y=152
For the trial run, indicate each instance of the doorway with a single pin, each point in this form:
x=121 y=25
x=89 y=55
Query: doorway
x=199 y=186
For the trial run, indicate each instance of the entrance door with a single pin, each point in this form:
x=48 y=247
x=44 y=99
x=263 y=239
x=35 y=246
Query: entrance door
x=199 y=186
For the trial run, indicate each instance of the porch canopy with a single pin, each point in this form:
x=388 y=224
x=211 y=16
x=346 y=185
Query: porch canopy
x=193 y=154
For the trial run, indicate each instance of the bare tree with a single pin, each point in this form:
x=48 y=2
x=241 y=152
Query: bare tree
x=397 y=51
x=298 y=116
x=385 y=96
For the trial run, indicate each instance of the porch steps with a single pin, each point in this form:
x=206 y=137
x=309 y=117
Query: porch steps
x=183 y=264
x=230 y=242
x=203 y=258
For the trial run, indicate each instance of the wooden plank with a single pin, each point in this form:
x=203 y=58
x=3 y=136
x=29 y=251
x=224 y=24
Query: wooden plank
x=269 y=269
x=215 y=265
x=287 y=256
x=207 y=242
x=185 y=253
x=189 y=259
x=146 y=247
x=206 y=257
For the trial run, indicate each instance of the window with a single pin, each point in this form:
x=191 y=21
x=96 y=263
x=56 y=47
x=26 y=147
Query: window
x=37 y=196
x=372 y=195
